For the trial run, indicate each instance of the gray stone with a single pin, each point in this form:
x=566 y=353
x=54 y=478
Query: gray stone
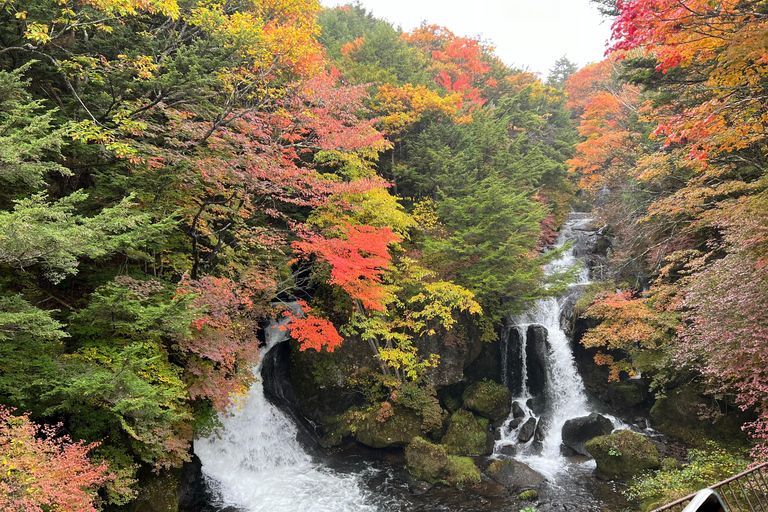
x=527 y=431
x=577 y=431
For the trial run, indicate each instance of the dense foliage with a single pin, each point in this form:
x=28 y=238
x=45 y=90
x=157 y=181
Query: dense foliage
x=675 y=146
x=173 y=173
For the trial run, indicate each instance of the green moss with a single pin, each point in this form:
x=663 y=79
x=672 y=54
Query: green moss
x=398 y=430
x=462 y=471
x=465 y=435
x=495 y=467
x=622 y=455
x=529 y=495
x=426 y=460
x=489 y=399
x=625 y=395
x=430 y=462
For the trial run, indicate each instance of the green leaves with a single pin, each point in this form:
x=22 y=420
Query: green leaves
x=53 y=236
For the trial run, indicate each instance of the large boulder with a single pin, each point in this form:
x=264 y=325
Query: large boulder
x=425 y=460
x=466 y=435
x=578 y=431
x=489 y=399
x=623 y=455
x=398 y=430
x=432 y=463
x=514 y=474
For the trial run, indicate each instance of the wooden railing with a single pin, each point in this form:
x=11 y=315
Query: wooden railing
x=745 y=492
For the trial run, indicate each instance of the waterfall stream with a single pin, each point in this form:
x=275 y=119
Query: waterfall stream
x=564 y=395
x=258 y=465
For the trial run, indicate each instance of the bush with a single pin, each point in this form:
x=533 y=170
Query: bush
x=705 y=467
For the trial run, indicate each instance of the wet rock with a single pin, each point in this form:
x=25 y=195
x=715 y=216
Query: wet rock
x=622 y=455
x=508 y=449
x=514 y=474
x=536 y=350
x=489 y=399
x=516 y=423
x=398 y=430
x=517 y=410
x=466 y=435
x=578 y=431
x=527 y=431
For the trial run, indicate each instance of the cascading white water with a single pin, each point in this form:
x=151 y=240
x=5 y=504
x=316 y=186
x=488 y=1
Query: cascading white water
x=258 y=465
x=564 y=391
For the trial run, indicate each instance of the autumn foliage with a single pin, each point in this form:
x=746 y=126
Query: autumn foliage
x=43 y=471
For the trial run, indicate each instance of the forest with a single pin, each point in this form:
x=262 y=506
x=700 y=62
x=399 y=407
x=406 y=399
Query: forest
x=176 y=173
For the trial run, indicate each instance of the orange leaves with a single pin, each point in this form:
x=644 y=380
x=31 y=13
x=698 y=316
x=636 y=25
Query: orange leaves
x=313 y=332
x=608 y=152
x=40 y=471
x=358 y=259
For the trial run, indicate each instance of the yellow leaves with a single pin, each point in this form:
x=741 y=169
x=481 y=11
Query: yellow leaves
x=425 y=214
x=22 y=15
x=143 y=65
x=37 y=32
x=132 y=7
x=404 y=105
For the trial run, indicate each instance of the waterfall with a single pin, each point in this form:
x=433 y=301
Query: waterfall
x=258 y=465
x=564 y=395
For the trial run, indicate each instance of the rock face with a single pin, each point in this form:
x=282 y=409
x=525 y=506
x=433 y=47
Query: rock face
x=514 y=475
x=430 y=462
x=398 y=430
x=577 y=431
x=465 y=435
x=488 y=399
x=536 y=350
x=622 y=455
x=526 y=432
x=678 y=415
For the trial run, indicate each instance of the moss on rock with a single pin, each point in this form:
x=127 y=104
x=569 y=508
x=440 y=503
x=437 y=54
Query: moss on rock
x=426 y=460
x=432 y=463
x=461 y=471
x=489 y=399
x=398 y=430
x=678 y=415
x=622 y=455
x=465 y=435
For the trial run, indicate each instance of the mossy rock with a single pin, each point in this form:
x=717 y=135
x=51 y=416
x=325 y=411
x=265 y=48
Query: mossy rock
x=398 y=430
x=426 y=460
x=489 y=399
x=679 y=415
x=627 y=394
x=623 y=455
x=337 y=428
x=529 y=495
x=461 y=471
x=465 y=435
x=432 y=463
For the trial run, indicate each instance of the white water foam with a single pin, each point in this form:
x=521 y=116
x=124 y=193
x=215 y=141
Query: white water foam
x=257 y=464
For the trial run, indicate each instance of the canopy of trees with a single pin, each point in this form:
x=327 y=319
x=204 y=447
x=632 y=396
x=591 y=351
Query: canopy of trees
x=173 y=173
